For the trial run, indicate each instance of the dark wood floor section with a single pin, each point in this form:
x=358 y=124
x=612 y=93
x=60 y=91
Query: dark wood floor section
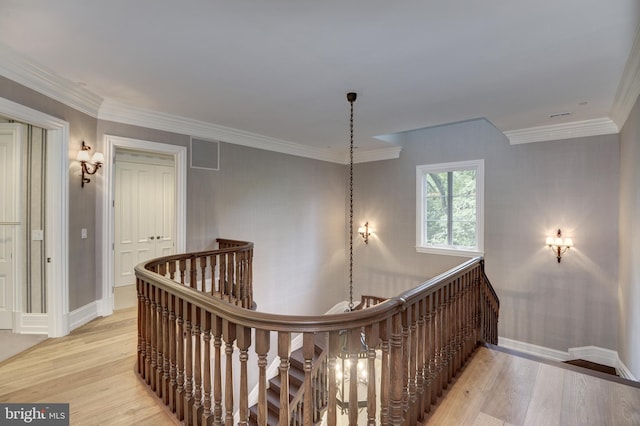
x=593 y=366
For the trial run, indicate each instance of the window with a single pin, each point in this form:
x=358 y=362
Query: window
x=449 y=208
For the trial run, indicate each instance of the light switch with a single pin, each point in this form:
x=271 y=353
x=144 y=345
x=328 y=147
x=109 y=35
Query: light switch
x=37 y=234
x=83 y=233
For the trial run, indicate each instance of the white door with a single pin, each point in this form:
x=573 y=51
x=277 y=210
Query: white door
x=144 y=216
x=10 y=153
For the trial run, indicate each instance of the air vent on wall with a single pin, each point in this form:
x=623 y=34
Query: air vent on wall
x=205 y=154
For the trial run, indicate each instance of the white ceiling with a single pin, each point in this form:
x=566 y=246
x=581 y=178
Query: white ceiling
x=281 y=69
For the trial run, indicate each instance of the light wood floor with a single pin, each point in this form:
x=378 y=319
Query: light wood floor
x=93 y=370
x=497 y=388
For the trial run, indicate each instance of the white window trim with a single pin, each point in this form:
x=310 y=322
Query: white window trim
x=478 y=165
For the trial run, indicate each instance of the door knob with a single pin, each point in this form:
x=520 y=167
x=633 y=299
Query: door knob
x=151 y=237
x=158 y=237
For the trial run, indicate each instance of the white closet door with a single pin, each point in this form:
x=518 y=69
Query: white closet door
x=144 y=216
x=165 y=213
x=10 y=149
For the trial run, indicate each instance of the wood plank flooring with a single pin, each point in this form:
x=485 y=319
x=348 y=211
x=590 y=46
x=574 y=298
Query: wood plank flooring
x=92 y=369
x=497 y=388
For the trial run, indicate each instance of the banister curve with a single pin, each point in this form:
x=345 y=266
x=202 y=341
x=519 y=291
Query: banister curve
x=202 y=301
x=275 y=322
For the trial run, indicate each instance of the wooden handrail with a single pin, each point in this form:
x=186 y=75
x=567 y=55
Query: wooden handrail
x=421 y=338
x=225 y=273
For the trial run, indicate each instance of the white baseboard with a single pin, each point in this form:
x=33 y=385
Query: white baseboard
x=31 y=323
x=595 y=354
x=83 y=315
x=531 y=349
x=105 y=306
x=624 y=372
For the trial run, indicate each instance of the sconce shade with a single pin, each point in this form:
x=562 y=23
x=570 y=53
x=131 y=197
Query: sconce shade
x=97 y=158
x=83 y=156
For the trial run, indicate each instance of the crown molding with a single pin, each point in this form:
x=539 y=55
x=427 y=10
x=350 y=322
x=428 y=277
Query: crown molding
x=22 y=70
x=629 y=87
x=575 y=129
x=127 y=114
x=366 y=156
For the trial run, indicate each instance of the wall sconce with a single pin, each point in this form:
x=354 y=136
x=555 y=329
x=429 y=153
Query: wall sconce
x=559 y=245
x=365 y=231
x=96 y=161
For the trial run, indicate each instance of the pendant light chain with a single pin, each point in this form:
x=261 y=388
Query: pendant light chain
x=351 y=97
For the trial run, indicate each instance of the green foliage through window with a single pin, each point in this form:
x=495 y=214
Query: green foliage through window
x=450 y=207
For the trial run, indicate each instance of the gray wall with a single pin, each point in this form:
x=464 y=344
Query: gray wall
x=629 y=293
x=530 y=191
x=292 y=208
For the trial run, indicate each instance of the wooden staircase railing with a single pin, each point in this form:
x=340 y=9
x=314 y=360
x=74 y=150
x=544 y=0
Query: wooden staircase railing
x=196 y=329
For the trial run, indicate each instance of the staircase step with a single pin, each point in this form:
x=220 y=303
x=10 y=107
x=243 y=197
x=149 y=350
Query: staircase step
x=296 y=381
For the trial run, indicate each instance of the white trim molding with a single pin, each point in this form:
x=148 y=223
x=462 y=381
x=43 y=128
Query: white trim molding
x=111 y=143
x=24 y=323
x=531 y=349
x=57 y=215
x=624 y=372
x=574 y=129
x=629 y=87
x=366 y=156
x=595 y=354
x=23 y=70
x=83 y=315
x=136 y=116
x=127 y=114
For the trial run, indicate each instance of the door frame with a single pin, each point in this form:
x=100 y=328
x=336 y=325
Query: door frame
x=56 y=220
x=111 y=144
x=17 y=229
